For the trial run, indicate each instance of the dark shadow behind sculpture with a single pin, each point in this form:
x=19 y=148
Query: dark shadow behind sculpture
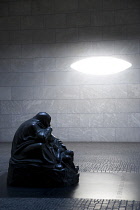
x=39 y=159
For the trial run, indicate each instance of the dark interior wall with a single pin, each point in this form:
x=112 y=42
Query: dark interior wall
x=39 y=39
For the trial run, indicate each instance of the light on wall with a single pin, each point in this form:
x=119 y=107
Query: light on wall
x=101 y=65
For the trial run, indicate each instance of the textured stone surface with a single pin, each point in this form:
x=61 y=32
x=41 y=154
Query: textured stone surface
x=31 y=22
x=20 y=37
x=68 y=120
x=103 y=134
x=78 y=19
x=85 y=134
x=38 y=42
x=114 y=4
x=91 y=106
x=55 y=21
x=59 y=92
x=3 y=9
x=128 y=134
x=41 y=7
x=66 y=5
x=102 y=18
x=79 y=49
x=128 y=16
x=21 y=65
x=67 y=35
x=43 y=64
x=22 y=7
x=114 y=91
x=134 y=120
x=90 y=34
x=43 y=36
x=7 y=134
x=113 y=32
x=103 y=48
x=50 y=106
x=18 y=119
x=44 y=50
x=11 y=107
x=10 y=51
x=128 y=77
x=126 y=47
x=5 y=65
x=91 y=91
x=134 y=90
x=10 y=23
x=21 y=79
x=91 y=120
x=9 y=79
x=128 y=105
x=132 y=31
x=5 y=121
x=5 y=93
x=22 y=93
x=115 y=120
x=107 y=157
x=90 y=4
x=4 y=37
x=31 y=79
x=133 y=4
x=67 y=203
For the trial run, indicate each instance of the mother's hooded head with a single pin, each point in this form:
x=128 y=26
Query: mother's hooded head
x=44 y=118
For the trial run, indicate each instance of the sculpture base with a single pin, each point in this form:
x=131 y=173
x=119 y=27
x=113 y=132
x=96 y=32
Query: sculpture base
x=37 y=176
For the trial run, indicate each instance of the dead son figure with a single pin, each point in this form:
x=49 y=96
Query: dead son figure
x=38 y=158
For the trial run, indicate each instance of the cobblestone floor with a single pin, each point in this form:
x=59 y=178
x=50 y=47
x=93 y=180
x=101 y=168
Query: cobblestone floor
x=67 y=204
x=107 y=157
x=91 y=157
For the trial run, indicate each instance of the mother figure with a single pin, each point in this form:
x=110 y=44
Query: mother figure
x=38 y=158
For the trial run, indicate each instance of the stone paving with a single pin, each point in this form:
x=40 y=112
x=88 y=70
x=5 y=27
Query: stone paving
x=67 y=204
x=91 y=157
x=107 y=157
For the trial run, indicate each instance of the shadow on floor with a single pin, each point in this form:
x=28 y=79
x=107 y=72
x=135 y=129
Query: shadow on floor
x=91 y=185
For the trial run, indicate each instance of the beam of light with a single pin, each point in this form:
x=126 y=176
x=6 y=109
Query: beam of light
x=101 y=65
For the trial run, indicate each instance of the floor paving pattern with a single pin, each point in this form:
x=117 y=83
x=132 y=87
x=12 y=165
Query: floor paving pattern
x=107 y=157
x=67 y=204
x=109 y=179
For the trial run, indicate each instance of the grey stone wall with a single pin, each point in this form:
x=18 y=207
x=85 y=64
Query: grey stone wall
x=39 y=39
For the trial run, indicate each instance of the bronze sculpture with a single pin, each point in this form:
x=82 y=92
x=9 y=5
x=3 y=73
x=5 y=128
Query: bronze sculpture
x=38 y=158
